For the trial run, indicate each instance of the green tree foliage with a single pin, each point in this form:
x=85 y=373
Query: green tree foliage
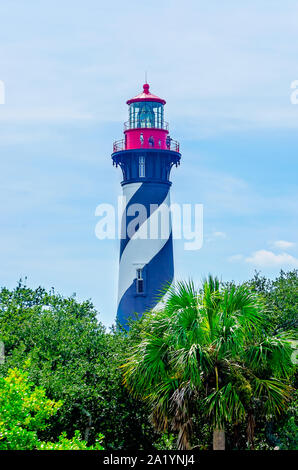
x=287 y=431
x=281 y=297
x=76 y=443
x=25 y=411
x=75 y=360
x=208 y=352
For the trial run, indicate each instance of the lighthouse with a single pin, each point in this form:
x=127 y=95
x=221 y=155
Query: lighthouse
x=146 y=156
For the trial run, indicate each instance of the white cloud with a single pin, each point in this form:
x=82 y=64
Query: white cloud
x=215 y=236
x=283 y=244
x=268 y=258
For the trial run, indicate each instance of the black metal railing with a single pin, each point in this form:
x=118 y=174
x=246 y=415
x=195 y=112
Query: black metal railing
x=172 y=145
x=119 y=145
x=146 y=125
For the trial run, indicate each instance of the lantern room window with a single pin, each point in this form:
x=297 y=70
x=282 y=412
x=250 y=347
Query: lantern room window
x=144 y=114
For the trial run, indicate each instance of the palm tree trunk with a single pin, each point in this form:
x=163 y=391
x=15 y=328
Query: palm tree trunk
x=251 y=423
x=218 y=433
x=218 y=439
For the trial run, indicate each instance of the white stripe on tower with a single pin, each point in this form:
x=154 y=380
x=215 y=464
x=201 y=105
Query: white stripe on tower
x=140 y=249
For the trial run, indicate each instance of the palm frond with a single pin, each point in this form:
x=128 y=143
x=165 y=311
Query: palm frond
x=275 y=394
x=225 y=406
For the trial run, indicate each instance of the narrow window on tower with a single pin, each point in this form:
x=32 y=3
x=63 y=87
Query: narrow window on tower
x=140 y=281
x=141 y=167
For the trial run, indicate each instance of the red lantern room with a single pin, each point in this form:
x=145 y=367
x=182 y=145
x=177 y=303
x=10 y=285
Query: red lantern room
x=146 y=127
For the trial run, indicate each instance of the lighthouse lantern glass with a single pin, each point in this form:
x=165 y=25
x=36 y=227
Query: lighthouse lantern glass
x=146 y=114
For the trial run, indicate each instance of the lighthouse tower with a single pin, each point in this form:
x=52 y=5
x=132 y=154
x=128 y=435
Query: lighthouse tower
x=145 y=156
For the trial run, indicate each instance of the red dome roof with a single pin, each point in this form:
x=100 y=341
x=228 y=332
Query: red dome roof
x=146 y=96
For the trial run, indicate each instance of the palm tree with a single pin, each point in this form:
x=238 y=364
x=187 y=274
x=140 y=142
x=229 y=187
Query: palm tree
x=209 y=347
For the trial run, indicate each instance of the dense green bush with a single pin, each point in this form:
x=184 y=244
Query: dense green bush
x=25 y=411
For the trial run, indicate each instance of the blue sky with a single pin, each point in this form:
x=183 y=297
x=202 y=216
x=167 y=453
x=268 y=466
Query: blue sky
x=225 y=69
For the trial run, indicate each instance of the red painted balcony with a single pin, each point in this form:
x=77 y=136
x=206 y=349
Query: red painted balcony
x=173 y=145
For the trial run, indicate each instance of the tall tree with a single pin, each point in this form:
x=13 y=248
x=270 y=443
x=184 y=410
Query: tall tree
x=209 y=347
x=74 y=359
